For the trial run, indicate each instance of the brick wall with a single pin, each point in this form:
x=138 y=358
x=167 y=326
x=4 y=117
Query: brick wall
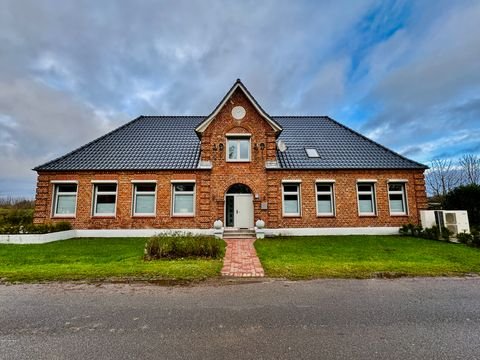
x=211 y=186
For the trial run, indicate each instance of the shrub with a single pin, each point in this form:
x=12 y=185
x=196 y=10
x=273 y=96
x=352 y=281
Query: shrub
x=35 y=228
x=465 y=238
x=16 y=217
x=183 y=246
x=475 y=238
x=411 y=230
x=446 y=234
x=432 y=233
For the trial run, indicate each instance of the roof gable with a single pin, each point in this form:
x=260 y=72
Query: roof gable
x=238 y=85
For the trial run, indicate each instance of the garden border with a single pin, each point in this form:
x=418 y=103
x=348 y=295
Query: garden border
x=86 y=233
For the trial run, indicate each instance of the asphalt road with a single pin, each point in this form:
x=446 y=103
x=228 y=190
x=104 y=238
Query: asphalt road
x=326 y=319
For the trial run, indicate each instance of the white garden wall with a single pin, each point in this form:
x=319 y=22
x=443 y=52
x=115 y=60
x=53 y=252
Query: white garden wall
x=69 y=234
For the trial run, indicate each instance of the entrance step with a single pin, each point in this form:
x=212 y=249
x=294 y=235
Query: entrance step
x=239 y=234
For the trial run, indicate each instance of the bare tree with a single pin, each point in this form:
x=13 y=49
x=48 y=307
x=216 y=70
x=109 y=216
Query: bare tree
x=442 y=177
x=471 y=168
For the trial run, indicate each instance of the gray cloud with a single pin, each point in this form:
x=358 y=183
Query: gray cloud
x=427 y=86
x=70 y=70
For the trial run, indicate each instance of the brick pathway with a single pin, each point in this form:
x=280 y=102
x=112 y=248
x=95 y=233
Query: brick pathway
x=241 y=259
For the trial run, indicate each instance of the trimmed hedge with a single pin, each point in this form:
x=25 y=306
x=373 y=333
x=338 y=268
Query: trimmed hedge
x=183 y=246
x=35 y=228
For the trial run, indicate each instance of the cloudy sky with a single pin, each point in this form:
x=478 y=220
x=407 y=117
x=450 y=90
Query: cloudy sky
x=405 y=73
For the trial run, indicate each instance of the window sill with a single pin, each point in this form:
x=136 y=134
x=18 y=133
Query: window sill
x=183 y=216
x=326 y=216
x=144 y=216
x=64 y=216
x=292 y=216
x=239 y=161
x=103 y=216
x=399 y=215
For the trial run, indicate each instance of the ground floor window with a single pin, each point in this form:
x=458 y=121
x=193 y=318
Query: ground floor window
x=291 y=199
x=184 y=199
x=65 y=200
x=144 y=199
x=397 y=198
x=325 y=201
x=366 y=198
x=105 y=199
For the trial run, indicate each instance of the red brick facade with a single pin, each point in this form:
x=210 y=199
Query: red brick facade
x=212 y=184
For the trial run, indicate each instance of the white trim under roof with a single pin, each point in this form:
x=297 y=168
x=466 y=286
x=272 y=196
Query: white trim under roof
x=104 y=181
x=367 y=180
x=291 y=181
x=63 y=181
x=204 y=124
x=186 y=181
x=143 y=181
x=397 y=180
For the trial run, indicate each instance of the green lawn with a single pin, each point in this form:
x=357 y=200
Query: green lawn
x=96 y=259
x=364 y=257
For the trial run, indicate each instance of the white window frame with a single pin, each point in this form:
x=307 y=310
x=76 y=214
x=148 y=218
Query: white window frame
x=299 y=197
x=372 y=192
x=56 y=184
x=403 y=192
x=238 y=138
x=134 y=202
x=331 y=193
x=95 y=193
x=177 y=182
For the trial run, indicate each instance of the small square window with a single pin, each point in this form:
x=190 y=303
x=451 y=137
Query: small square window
x=312 y=153
x=238 y=149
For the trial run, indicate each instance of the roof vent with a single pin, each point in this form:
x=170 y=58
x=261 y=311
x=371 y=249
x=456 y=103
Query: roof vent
x=281 y=146
x=312 y=153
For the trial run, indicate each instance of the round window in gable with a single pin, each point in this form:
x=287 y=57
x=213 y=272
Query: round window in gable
x=238 y=112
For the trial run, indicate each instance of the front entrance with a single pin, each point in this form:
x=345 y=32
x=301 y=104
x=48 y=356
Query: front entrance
x=239 y=207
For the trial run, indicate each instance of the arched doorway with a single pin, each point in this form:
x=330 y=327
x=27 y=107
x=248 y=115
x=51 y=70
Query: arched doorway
x=239 y=207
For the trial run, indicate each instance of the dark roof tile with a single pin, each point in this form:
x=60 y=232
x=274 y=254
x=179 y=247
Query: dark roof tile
x=170 y=143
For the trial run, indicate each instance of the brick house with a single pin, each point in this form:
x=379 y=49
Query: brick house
x=237 y=164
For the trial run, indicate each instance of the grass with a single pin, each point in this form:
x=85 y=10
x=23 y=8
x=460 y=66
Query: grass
x=96 y=259
x=364 y=257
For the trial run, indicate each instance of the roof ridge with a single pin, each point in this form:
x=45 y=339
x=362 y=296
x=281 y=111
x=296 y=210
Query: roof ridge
x=36 y=168
x=374 y=142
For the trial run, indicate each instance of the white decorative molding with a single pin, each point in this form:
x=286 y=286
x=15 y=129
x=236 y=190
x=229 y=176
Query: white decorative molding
x=205 y=164
x=143 y=181
x=327 y=181
x=271 y=164
x=184 y=181
x=367 y=180
x=291 y=181
x=397 y=180
x=63 y=181
x=104 y=181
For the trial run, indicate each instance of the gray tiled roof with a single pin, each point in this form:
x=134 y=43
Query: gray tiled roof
x=170 y=142
x=338 y=146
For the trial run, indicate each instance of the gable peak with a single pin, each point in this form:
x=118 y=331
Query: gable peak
x=238 y=85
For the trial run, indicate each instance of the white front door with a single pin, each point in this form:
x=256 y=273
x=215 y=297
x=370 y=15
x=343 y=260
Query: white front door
x=243 y=205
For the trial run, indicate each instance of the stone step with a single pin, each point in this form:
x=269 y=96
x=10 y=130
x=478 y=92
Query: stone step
x=239 y=234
